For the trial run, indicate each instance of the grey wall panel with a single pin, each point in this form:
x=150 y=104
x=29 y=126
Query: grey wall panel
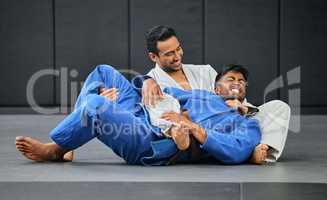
x=90 y=33
x=304 y=44
x=269 y=37
x=185 y=16
x=26 y=48
x=244 y=32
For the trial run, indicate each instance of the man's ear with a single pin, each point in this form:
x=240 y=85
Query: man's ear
x=152 y=56
x=217 y=89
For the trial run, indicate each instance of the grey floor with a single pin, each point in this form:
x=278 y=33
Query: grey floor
x=304 y=163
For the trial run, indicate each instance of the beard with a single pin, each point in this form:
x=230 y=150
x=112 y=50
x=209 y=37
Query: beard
x=171 y=69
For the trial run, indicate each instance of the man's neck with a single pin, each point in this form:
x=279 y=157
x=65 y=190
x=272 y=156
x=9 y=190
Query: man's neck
x=176 y=73
x=179 y=76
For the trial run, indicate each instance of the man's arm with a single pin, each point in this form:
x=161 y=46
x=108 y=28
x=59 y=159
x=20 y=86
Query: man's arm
x=244 y=109
x=235 y=103
x=233 y=148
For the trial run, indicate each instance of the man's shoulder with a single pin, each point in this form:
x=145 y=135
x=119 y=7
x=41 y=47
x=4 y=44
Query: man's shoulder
x=193 y=66
x=151 y=73
x=196 y=68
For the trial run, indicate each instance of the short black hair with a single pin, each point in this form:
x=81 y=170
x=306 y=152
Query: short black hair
x=158 y=33
x=232 y=67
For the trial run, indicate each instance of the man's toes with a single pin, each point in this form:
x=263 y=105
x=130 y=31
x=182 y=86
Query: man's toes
x=264 y=153
x=264 y=147
x=25 y=151
x=264 y=158
x=259 y=156
x=19 y=138
x=260 y=160
x=23 y=144
x=23 y=139
x=22 y=150
x=29 y=156
x=69 y=156
x=28 y=140
x=20 y=144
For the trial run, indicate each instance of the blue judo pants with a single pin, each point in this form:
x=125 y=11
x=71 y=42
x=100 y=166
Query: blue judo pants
x=120 y=125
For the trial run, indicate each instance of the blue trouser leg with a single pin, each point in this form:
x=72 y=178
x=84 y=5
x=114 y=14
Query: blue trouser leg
x=113 y=123
x=108 y=77
x=127 y=135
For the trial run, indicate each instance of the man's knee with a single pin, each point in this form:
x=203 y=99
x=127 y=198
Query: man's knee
x=111 y=76
x=95 y=104
x=106 y=69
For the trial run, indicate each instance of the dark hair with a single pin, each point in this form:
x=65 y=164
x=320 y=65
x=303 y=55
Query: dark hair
x=232 y=67
x=155 y=34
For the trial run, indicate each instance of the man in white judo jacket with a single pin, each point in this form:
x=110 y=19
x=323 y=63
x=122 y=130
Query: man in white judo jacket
x=165 y=50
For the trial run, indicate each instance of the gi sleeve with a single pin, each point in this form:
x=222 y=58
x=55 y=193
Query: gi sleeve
x=168 y=104
x=212 y=77
x=235 y=147
x=137 y=82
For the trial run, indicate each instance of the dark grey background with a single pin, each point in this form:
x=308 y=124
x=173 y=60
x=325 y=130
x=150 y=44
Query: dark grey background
x=269 y=37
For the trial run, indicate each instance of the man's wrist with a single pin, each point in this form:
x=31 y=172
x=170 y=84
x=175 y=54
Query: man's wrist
x=244 y=109
x=199 y=133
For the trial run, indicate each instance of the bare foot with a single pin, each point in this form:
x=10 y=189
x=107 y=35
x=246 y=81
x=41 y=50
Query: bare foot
x=69 y=156
x=181 y=136
x=37 y=151
x=259 y=154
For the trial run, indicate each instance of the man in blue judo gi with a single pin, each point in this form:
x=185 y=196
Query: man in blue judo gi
x=123 y=124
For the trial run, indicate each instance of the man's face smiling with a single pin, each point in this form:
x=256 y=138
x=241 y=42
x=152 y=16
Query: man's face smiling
x=170 y=54
x=232 y=85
